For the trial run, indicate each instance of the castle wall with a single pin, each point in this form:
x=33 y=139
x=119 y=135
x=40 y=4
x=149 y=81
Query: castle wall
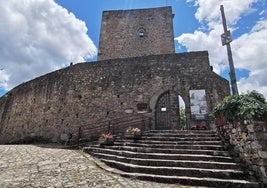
x=62 y=101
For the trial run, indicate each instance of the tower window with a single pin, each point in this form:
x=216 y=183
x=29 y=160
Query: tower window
x=141 y=33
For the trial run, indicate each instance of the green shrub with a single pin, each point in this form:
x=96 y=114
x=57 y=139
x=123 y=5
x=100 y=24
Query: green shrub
x=240 y=107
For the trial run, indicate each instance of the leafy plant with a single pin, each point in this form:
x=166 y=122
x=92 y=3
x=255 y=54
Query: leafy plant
x=106 y=139
x=106 y=136
x=239 y=107
x=182 y=119
x=132 y=130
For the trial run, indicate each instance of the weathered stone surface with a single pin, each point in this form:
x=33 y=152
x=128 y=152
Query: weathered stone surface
x=48 y=166
x=85 y=94
x=157 y=154
x=250 y=128
x=79 y=95
x=64 y=137
x=244 y=136
x=249 y=143
x=120 y=33
x=263 y=154
x=234 y=131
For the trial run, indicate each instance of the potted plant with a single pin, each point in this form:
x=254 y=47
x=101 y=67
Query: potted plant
x=133 y=133
x=106 y=139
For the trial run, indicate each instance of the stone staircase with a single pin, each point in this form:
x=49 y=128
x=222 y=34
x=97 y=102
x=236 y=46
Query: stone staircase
x=195 y=158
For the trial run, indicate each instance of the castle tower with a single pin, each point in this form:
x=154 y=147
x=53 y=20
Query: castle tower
x=140 y=32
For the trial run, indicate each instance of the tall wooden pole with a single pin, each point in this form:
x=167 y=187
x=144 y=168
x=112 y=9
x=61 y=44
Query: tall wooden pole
x=226 y=40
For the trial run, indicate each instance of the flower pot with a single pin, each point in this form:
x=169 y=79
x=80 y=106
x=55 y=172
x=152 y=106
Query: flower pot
x=106 y=141
x=220 y=120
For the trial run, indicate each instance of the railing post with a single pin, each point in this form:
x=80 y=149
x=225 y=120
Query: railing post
x=79 y=135
x=149 y=123
x=143 y=124
x=109 y=126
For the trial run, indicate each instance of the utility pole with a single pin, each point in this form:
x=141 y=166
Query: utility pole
x=226 y=40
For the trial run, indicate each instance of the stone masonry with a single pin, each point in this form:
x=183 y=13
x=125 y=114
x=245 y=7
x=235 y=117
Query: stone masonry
x=62 y=101
x=36 y=166
x=136 y=66
x=131 y=33
x=248 y=142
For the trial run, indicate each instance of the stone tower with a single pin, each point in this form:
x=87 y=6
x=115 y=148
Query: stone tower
x=132 y=33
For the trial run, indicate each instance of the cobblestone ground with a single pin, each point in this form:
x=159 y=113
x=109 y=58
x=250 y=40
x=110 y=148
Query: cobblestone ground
x=48 y=166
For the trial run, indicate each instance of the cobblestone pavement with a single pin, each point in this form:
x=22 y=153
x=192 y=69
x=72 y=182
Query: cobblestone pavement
x=49 y=166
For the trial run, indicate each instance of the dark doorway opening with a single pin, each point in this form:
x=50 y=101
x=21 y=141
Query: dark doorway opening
x=163 y=112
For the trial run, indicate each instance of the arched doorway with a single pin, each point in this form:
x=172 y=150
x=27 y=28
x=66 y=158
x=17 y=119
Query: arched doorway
x=163 y=112
x=182 y=124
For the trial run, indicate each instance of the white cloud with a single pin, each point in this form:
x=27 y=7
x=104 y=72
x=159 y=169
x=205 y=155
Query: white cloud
x=36 y=37
x=4 y=77
x=249 y=49
x=202 y=41
x=250 y=53
x=209 y=10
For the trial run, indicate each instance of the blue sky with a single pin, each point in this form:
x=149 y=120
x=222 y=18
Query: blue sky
x=91 y=13
x=45 y=35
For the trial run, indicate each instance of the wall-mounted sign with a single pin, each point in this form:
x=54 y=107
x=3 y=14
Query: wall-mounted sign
x=163 y=109
x=142 y=107
x=198 y=104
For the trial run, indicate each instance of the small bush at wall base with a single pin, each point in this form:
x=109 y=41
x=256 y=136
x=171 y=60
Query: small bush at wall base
x=240 y=107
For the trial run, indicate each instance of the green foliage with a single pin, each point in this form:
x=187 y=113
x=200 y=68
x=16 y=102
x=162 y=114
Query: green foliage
x=182 y=118
x=239 y=107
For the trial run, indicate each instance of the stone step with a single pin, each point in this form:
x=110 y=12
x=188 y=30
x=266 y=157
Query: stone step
x=196 y=158
x=194 y=181
x=183 y=180
x=175 y=138
x=172 y=146
x=169 y=163
x=183 y=132
x=174 y=142
x=179 y=135
x=170 y=151
x=130 y=154
x=177 y=171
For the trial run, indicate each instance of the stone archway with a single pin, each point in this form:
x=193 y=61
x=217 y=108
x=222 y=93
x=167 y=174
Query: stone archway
x=166 y=109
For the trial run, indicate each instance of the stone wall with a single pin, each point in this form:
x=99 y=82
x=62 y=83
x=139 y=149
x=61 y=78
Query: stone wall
x=60 y=102
x=248 y=143
x=131 y=33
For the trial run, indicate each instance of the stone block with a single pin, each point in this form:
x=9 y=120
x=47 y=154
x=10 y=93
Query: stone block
x=244 y=136
x=64 y=137
x=250 y=128
x=234 y=131
x=263 y=154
